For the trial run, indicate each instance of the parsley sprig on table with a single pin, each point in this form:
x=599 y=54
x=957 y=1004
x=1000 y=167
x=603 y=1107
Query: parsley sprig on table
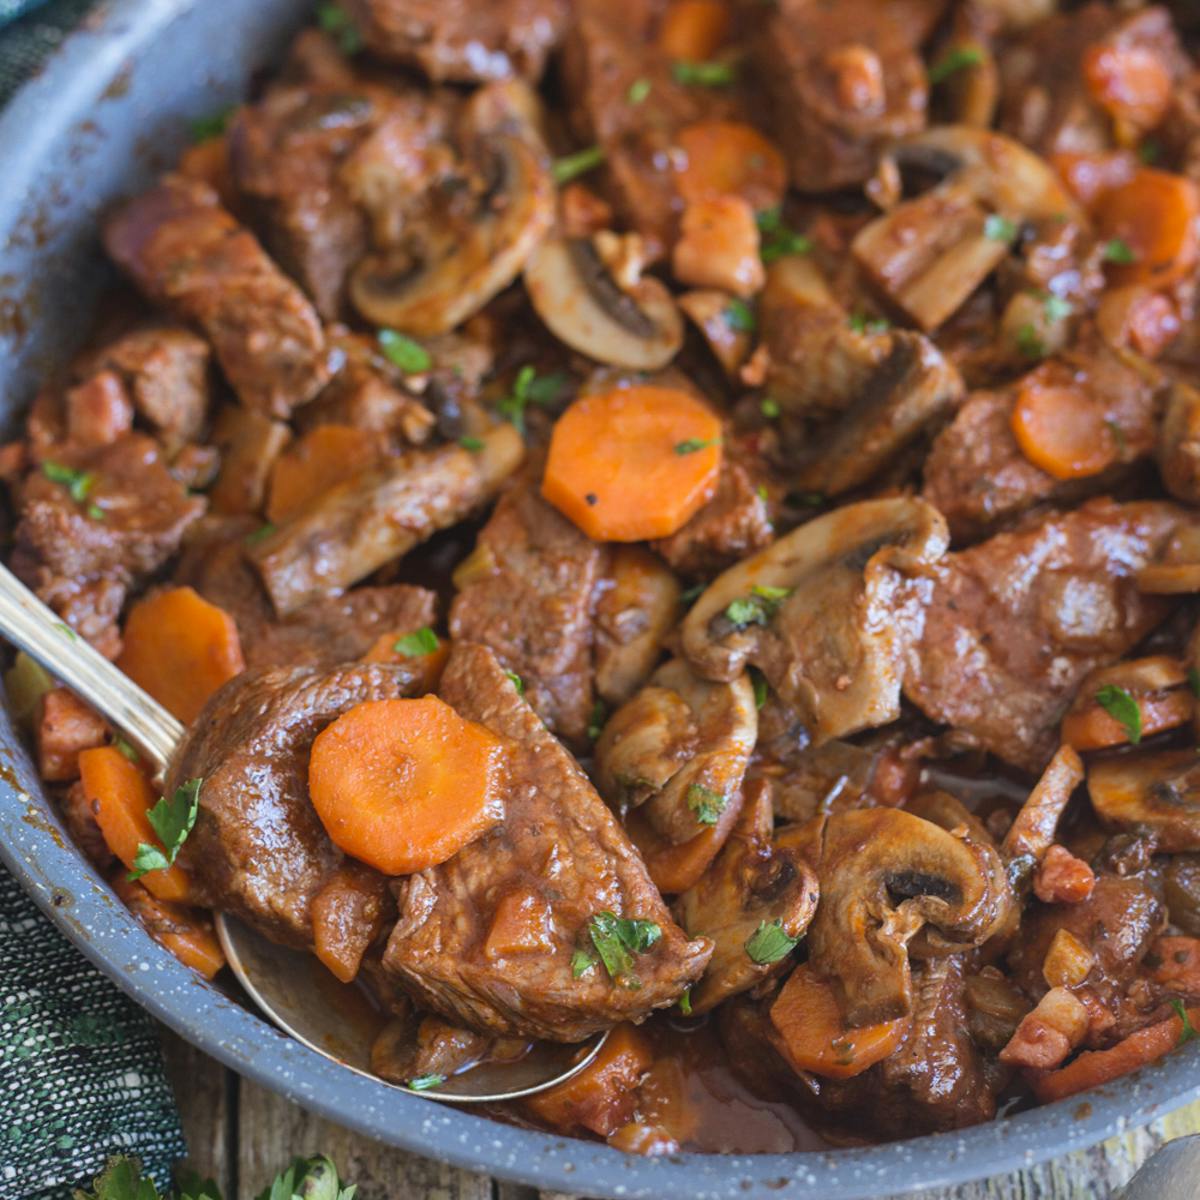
x=172 y=819
x=313 y=1178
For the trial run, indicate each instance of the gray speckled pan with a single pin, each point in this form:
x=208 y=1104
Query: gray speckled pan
x=110 y=109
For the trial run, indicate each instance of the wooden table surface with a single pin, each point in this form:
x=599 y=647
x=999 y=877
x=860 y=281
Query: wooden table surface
x=240 y=1134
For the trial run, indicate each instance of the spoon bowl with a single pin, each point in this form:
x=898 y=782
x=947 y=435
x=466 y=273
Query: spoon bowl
x=289 y=986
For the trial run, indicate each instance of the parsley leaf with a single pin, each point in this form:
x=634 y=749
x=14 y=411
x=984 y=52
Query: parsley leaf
x=215 y=124
x=423 y=1083
x=126 y=749
x=769 y=943
x=759 y=682
x=770 y=408
x=582 y=961
x=473 y=444
x=1188 y=1032
x=685 y=1002
x=260 y=534
x=691 y=445
x=95 y=512
x=954 y=60
x=172 y=819
x=705 y=803
x=1029 y=342
x=1118 y=251
x=192 y=1187
x=336 y=21
x=66 y=631
x=309 y=1179
x=571 y=166
x=639 y=89
x=404 y=352
x=758 y=608
x=739 y=316
x=1193 y=678
x=618 y=939
x=689 y=596
x=597 y=720
x=998 y=228
x=861 y=323
x=413 y=645
x=777 y=239
x=1121 y=706
x=704 y=74
x=530 y=388
x=121 y=1179
x=1057 y=309
x=516 y=681
x=1149 y=152
x=77 y=483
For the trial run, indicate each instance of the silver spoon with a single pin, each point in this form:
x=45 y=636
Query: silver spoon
x=288 y=985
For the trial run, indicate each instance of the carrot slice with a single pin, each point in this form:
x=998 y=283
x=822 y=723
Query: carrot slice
x=729 y=158
x=675 y=867
x=814 y=1036
x=603 y=1096
x=430 y=662
x=1089 y=176
x=693 y=30
x=633 y=464
x=404 y=785
x=1154 y=217
x=180 y=648
x=1094 y=1067
x=1062 y=430
x=186 y=932
x=321 y=459
x=119 y=796
x=1179 y=964
x=1129 y=82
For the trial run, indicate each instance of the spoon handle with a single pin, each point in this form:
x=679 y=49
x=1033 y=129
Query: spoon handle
x=28 y=623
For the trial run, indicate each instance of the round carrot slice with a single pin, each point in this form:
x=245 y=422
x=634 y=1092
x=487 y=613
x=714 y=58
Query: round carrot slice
x=1150 y=222
x=1063 y=431
x=815 y=1037
x=728 y=158
x=403 y=785
x=693 y=30
x=634 y=463
x=1130 y=82
x=180 y=648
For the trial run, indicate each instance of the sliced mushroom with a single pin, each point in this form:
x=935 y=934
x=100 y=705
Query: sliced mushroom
x=752 y=883
x=1177 y=572
x=468 y=244
x=1179 y=443
x=678 y=750
x=1156 y=795
x=825 y=612
x=637 y=326
x=884 y=874
x=1155 y=685
x=638 y=606
x=728 y=339
x=1032 y=832
x=930 y=253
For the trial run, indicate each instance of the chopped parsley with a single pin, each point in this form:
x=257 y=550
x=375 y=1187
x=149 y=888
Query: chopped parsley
x=260 y=534
x=473 y=444
x=953 y=61
x=639 y=89
x=739 y=316
x=770 y=408
x=690 y=595
x=1122 y=707
x=1149 y=152
x=1193 y=678
x=685 y=1002
x=758 y=608
x=1029 y=342
x=777 y=239
x=172 y=819
x=705 y=803
x=336 y=21
x=704 y=74
x=1056 y=308
x=1117 y=250
x=582 y=961
x=571 y=166
x=691 y=445
x=413 y=645
x=861 y=323
x=758 y=681
x=762 y=493
x=423 y=1083
x=516 y=681
x=215 y=124
x=77 y=483
x=1188 y=1032
x=597 y=720
x=95 y=512
x=66 y=631
x=404 y=352
x=769 y=943
x=999 y=229
x=1118 y=435
x=530 y=388
x=617 y=940
x=124 y=747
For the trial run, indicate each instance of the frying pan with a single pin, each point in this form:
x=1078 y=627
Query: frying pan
x=109 y=111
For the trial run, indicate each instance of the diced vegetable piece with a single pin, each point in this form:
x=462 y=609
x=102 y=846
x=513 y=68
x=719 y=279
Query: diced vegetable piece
x=62 y=727
x=323 y=457
x=522 y=924
x=1179 y=964
x=120 y=796
x=180 y=648
x=718 y=247
x=1089 y=176
x=347 y=915
x=1062 y=430
x=186 y=932
x=634 y=463
x=1068 y=961
x=405 y=784
x=815 y=1037
x=693 y=30
x=1155 y=215
x=1048 y=1034
x=1131 y=82
x=729 y=158
x=1061 y=878
x=1094 y=1067
x=602 y=1097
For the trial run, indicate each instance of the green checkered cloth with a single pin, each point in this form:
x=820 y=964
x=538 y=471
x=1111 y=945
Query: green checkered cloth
x=81 y=1070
